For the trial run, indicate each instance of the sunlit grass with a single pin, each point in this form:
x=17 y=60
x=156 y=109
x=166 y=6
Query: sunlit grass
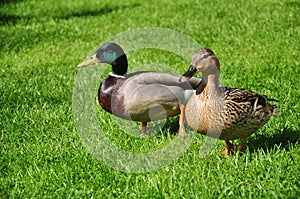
x=41 y=153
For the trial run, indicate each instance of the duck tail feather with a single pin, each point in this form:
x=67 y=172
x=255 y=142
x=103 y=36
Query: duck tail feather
x=272 y=100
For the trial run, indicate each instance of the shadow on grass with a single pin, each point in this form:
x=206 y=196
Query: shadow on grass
x=2 y=2
x=283 y=139
x=6 y=18
x=171 y=126
x=96 y=12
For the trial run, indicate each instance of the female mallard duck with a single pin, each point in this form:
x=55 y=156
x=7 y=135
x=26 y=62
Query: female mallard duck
x=222 y=112
x=132 y=96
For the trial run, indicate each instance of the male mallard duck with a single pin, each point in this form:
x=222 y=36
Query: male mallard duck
x=132 y=96
x=222 y=112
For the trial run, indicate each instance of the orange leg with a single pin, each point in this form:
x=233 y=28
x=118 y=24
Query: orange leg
x=181 y=122
x=229 y=148
x=144 y=128
x=240 y=146
x=239 y=149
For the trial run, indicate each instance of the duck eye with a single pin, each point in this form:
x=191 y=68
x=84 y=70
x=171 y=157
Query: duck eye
x=91 y=57
x=193 y=68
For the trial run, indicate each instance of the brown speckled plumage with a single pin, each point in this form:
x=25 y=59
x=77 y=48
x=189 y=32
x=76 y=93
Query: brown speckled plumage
x=222 y=112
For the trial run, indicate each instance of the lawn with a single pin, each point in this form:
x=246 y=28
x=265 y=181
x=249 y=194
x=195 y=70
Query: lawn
x=42 y=151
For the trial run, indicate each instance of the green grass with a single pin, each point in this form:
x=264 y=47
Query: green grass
x=41 y=152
